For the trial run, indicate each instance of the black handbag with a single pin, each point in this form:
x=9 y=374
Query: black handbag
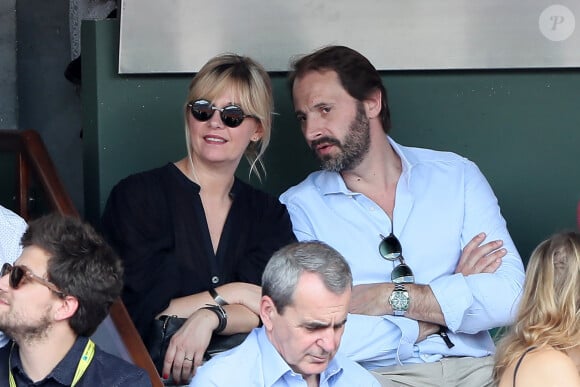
x=165 y=327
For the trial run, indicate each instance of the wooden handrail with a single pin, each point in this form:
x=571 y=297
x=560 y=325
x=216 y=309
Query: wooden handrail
x=33 y=160
x=32 y=156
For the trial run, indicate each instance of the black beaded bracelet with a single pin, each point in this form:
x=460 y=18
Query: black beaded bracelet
x=221 y=314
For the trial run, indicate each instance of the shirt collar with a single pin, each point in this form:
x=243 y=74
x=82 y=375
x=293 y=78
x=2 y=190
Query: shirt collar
x=64 y=371
x=275 y=367
x=333 y=368
x=332 y=182
x=406 y=163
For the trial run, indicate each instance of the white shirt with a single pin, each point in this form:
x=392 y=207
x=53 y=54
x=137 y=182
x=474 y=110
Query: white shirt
x=12 y=227
x=442 y=202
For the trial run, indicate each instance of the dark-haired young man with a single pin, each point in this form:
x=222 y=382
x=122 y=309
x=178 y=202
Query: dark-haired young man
x=51 y=300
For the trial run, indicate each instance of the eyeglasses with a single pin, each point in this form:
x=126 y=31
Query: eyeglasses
x=231 y=115
x=390 y=249
x=19 y=274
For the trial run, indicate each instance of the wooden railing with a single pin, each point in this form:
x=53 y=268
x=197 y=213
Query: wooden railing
x=34 y=162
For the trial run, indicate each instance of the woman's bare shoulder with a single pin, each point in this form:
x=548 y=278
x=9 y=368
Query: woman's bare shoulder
x=544 y=367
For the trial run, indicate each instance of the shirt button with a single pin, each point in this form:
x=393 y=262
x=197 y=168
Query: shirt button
x=215 y=279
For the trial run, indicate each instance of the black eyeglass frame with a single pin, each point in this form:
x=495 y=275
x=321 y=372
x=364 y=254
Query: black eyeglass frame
x=18 y=274
x=231 y=115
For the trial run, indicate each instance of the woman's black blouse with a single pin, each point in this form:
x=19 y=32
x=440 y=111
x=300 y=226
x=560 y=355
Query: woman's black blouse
x=156 y=223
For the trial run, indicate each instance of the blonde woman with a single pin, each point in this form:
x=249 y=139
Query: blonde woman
x=543 y=346
x=191 y=233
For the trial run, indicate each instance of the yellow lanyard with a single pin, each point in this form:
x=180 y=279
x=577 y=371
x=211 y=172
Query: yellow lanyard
x=84 y=362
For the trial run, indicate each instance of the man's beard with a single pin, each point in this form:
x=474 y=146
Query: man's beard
x=22 y=330
x=354 y=147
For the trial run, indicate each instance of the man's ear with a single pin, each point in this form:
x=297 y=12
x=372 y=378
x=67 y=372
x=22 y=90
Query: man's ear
x=267 y=312
x=66 y=308
x=373 y=104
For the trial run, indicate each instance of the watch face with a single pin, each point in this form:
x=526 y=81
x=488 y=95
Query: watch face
x=399 y=300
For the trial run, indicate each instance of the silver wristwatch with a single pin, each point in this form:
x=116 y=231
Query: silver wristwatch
x=399 y=300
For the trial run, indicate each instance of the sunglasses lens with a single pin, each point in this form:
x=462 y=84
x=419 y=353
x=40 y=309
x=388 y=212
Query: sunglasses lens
x=16 y=274
x=232 y=116
x=6 y=269
x=202 y=110
x=390 y=248
x=402 y=274
x=16 y=277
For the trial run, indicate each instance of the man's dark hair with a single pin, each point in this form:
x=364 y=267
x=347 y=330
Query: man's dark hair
x=357 y=75
x=81 y=264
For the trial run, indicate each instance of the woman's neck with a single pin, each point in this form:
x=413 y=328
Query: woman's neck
x=212 y=181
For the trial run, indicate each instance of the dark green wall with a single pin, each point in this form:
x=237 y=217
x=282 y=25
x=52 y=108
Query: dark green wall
x=521 y=127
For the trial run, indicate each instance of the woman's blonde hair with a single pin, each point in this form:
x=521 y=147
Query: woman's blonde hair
x=549 y=312
x=251 y=84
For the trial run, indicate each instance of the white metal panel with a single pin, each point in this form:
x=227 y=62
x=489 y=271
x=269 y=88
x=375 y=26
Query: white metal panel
x=181 y=35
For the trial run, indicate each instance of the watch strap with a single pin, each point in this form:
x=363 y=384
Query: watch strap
x=398 y=288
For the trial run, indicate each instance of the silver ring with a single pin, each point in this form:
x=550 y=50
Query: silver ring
x=186 y=358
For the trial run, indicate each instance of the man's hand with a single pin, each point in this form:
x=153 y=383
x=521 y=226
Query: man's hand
x=371 y=299
x=477 y=258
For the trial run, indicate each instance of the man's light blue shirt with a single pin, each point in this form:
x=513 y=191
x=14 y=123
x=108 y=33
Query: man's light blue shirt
x=442 y=201
x=257 y=363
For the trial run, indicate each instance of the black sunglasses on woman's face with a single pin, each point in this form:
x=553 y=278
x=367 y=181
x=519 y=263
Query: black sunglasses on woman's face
x=19 y=275
x=231 y=115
